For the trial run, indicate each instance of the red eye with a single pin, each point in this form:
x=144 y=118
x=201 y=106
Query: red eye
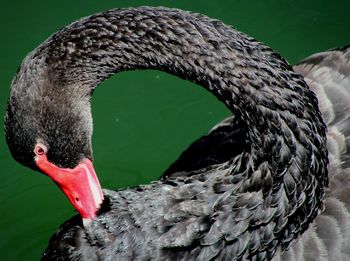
x=39 y=150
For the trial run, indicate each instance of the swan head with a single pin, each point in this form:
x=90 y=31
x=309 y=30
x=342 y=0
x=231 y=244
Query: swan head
x=49 y=130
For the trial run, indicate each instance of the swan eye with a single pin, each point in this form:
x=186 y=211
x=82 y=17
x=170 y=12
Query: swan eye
x=39 y=150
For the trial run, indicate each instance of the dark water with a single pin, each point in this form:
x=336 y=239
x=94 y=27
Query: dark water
x=143 y=120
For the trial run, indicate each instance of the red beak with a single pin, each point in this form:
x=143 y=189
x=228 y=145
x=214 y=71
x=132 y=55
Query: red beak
x=80 y=185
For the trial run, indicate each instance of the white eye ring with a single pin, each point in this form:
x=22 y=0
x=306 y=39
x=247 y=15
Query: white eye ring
x=40 y=149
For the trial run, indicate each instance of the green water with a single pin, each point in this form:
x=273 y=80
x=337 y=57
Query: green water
x=142 y=120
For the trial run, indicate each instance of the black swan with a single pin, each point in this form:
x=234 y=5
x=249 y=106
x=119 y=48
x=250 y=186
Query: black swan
x=264 y=184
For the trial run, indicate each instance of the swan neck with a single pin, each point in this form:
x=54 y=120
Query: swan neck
x=287 y=158
x=255 y=83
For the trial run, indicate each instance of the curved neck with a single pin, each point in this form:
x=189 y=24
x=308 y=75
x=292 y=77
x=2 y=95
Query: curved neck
x=285 y=128
x=255 y=83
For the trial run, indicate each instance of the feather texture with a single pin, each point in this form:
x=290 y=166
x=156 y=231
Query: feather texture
x=328 y=76
x=251 y=203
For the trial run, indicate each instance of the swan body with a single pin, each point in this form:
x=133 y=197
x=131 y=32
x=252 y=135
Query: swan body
x=328 y=76
x=259 y=201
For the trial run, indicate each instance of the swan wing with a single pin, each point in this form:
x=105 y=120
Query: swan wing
x=328 y=75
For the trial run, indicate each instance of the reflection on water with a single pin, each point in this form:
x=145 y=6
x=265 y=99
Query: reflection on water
x=143 y=120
